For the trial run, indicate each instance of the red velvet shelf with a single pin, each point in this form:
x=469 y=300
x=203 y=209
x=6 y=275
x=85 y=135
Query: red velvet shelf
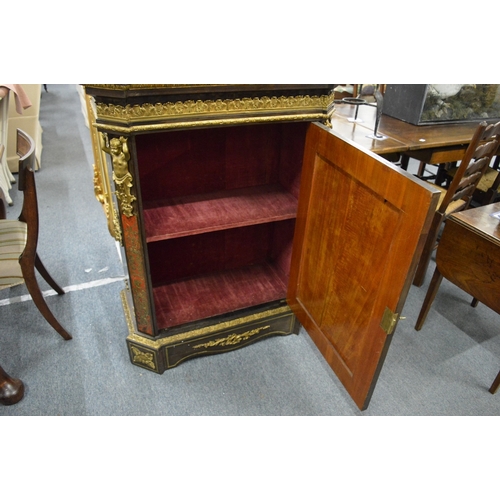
x=190 y=215
x=218 y=293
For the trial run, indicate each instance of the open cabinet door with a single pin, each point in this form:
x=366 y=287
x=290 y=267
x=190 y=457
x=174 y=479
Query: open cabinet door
x=360 y=230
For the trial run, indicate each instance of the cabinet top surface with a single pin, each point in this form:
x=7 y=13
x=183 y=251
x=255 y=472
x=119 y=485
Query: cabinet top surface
x=204 y=87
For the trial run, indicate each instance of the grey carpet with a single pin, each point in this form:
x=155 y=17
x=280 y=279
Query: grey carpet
x=446 y=369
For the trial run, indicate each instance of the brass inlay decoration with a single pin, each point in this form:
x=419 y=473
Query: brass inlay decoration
x=233 y=339
x=389 y=321
x=128 y=314
x=193 y=334
x=117 y=148
x=143 y=358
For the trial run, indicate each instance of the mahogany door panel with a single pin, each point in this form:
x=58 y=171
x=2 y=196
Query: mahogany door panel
x=360 y=227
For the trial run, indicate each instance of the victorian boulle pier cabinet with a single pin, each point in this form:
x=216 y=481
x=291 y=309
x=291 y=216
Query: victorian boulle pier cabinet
x=241 y=213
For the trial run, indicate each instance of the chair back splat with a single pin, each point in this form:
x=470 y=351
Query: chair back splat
x=488 y=188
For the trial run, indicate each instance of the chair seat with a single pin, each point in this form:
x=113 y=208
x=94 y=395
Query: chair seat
x=487 y=180
x=13 y=236
x=454 y=206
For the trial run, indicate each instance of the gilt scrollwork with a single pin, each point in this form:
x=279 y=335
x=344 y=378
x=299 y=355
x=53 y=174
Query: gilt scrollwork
x=106 y=201
x=233 y=339
x=143 y=358
x=102 y=187
x=117 y=148
x=115 y=227
x=99 y=189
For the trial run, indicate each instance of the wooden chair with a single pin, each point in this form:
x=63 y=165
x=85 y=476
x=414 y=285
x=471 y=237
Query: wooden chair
x=459 y=194
x=488 y=189
x=19 y=238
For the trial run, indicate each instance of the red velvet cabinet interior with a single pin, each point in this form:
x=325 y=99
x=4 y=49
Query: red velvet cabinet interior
x=240 y=214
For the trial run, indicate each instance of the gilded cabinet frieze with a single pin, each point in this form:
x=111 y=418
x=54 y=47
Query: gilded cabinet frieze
x=196 y=113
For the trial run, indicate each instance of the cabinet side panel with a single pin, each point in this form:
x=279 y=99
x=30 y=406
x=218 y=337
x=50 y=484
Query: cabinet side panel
x=137 y=273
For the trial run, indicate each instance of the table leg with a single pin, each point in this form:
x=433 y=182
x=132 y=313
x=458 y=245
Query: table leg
x=404 y=162
x=11 y=389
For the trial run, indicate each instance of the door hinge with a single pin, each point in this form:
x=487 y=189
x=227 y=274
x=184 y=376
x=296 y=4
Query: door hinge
x=389 y=321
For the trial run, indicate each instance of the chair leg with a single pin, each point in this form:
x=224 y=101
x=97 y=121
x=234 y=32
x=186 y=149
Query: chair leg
x=46 y=276
x=495 y=384
x=28 y=270
x=429 y=298
x=404 y=162
x=11 y=389
x=421 y=169
x=429 y=246
x=441 y=174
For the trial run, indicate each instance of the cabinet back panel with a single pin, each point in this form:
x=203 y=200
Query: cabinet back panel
x=251 y=156
x=180 y=163
x=181 y=258
x=190 y=162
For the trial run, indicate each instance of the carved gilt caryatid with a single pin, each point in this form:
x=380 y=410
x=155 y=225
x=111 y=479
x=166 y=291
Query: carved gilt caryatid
x=117 y=148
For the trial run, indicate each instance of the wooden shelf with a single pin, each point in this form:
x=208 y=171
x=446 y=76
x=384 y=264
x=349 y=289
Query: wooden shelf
x=218 y=293
x=185 y=216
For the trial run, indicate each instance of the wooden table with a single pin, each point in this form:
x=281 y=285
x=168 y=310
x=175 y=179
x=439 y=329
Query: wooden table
x=11 y=389
x=468 y=255
x=430 y=143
